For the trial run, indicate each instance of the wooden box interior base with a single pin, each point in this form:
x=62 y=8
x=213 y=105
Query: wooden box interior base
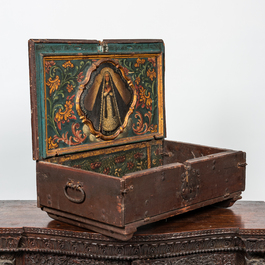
x=115 y=190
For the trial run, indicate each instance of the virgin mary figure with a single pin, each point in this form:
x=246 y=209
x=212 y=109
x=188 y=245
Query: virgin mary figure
x=109 y=109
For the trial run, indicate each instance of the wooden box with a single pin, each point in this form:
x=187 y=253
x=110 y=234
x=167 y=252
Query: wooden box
x=98 y=127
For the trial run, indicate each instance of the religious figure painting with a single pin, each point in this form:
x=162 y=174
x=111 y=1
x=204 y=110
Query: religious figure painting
x=107 y=99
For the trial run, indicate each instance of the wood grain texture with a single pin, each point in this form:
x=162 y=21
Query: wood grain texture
x=33 y=100
x=244 y=215
x=144 y=196
x=212 y=234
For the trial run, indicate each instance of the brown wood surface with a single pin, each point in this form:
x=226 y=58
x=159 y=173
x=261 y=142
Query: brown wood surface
x=103 y=200
x=117 y=206
x=33 y=100
x=154 y=192
x=180 y=152
x=211 y=235
x=243 y=215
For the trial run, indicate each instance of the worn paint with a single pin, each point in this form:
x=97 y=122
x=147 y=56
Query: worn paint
x=115 y=162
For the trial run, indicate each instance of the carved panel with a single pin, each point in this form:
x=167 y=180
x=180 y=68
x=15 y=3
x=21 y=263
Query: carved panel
x=206 y=259
x=135 y=239
x=64 y=245
x=254 y=244
x=255 y=261
x=7 y=259
x=130 y=250
x=9 y=238
x=47 y=259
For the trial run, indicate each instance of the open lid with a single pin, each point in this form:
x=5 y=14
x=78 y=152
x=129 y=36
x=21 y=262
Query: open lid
x=89 y=94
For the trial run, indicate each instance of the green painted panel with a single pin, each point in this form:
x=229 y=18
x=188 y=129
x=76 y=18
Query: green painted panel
x=61 y=67
x=117 y=164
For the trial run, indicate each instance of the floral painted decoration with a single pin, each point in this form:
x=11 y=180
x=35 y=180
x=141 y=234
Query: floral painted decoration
x=48 y=65
x=51 y=143
x=80 y=77
x=62 y=80
x=65 y=115
x=68 y=64
x=151 y=74
x=53 y=84
x=139 y=62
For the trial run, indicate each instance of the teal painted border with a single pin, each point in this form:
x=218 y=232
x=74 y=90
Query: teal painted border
x=135 y=48
x=52 y=49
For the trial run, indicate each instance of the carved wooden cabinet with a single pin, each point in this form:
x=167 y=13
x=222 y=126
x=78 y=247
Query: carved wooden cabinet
x=211 y=235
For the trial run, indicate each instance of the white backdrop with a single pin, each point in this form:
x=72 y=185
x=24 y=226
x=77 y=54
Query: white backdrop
x=215 y=73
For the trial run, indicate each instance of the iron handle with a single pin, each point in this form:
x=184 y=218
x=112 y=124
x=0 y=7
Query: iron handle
x=70 y=184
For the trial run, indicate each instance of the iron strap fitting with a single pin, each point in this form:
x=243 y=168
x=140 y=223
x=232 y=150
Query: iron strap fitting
x=244 y=164
x=127 y=190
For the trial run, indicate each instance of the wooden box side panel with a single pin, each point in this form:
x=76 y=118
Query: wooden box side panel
x=177 y=188
x=57 y=188
x=151 y=192
x=180 y=152
x=218 y=175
